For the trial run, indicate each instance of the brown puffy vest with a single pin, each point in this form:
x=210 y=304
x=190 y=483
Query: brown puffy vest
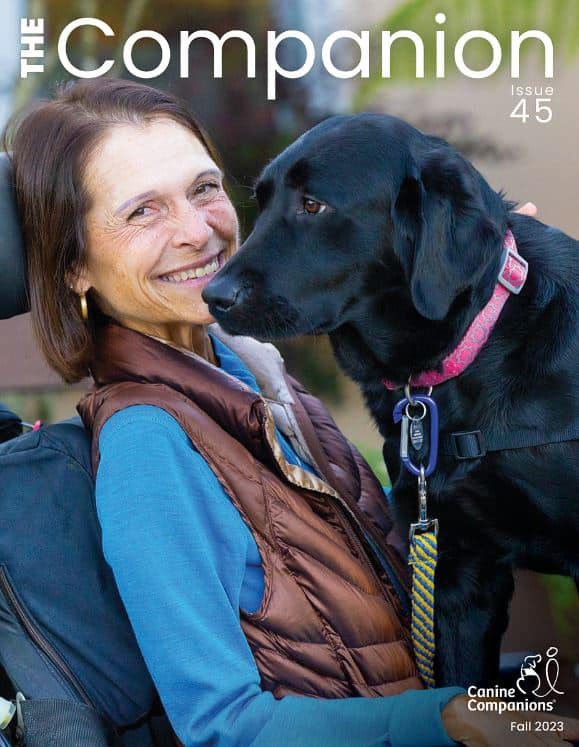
x=331 y=623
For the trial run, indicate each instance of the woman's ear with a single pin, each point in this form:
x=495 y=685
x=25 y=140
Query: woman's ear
x=444 y=233
x=78 y=281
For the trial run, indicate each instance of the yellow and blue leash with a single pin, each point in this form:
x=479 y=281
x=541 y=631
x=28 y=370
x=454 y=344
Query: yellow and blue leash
x=423 y=533
x=423 y=556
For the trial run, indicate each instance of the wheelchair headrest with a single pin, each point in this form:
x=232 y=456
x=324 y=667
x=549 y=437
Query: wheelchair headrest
x=10 y=424
x=13 y=293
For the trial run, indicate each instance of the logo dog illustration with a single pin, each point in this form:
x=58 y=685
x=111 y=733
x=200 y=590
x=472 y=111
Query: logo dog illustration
x=529 y=682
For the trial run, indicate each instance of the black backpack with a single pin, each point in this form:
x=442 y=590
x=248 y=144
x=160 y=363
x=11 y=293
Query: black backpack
x=70 y=666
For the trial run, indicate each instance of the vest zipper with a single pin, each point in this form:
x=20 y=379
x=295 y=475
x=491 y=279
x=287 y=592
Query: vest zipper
x=366 y=554
x=390 y=571
x=397 y=604
x=40 y=641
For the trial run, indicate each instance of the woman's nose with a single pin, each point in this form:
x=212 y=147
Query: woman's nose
x=191 y=228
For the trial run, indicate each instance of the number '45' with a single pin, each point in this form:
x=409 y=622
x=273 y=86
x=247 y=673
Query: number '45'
x=543 y=113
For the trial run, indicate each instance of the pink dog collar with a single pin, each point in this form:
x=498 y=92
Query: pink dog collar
x=511 y=279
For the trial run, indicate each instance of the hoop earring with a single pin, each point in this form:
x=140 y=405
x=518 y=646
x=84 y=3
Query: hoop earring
x=83 y=307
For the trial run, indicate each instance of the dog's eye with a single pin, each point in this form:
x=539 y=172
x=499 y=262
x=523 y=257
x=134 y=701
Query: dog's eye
x=313 y=207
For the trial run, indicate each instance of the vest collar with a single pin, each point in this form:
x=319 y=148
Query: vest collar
x=511 y=279
x=267 y=365
x=123 y=355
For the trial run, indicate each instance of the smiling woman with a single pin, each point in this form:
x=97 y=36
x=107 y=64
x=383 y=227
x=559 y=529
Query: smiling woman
x=123 y=202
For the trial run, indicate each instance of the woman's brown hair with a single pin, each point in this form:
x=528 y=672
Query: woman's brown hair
x=51 y=145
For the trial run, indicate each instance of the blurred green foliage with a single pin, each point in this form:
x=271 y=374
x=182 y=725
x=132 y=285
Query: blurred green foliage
x=310 y=359
x=31 y=406
x=374 y=458
x=565 y=606
x=557 y=18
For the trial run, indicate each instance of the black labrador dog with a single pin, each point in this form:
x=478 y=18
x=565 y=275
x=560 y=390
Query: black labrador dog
x=391 y=242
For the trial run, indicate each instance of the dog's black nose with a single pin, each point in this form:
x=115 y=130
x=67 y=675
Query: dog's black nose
x=221 y=294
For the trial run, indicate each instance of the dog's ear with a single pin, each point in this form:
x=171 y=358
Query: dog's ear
x=444 y=232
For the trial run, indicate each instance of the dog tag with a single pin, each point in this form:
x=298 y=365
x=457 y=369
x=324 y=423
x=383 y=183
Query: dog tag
x=404 y=432
x=416 y=434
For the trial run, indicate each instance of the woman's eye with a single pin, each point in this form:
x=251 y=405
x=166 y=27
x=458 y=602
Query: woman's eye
x=313 y=207
x=206 y=188
x=138 y=213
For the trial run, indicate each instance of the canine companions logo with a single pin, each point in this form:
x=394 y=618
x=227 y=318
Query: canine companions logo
x=537 y=680
x=530 y=683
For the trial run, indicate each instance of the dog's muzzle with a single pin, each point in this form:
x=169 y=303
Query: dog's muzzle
x=223 y=294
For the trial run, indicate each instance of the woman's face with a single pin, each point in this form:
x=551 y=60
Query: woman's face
x=159 y=227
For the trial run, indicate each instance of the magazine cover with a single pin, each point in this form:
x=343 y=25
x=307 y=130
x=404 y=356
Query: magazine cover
x=288 y=373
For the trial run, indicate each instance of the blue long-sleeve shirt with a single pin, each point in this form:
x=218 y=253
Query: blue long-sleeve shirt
x=185 y=563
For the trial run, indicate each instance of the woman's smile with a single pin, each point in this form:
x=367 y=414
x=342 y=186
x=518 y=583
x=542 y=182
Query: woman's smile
x=197 y=273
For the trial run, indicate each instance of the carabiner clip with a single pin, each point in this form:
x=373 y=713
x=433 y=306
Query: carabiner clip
x=399 y=414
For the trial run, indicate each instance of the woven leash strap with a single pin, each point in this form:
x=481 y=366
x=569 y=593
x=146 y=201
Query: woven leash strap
x=423 y=555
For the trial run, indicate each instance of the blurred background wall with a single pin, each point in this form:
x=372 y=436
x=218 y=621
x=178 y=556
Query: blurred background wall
x=528 y=161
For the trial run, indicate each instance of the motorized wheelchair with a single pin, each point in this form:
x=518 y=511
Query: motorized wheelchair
x=70 y=667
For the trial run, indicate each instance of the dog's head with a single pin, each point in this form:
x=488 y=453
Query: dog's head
x=362 y=218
